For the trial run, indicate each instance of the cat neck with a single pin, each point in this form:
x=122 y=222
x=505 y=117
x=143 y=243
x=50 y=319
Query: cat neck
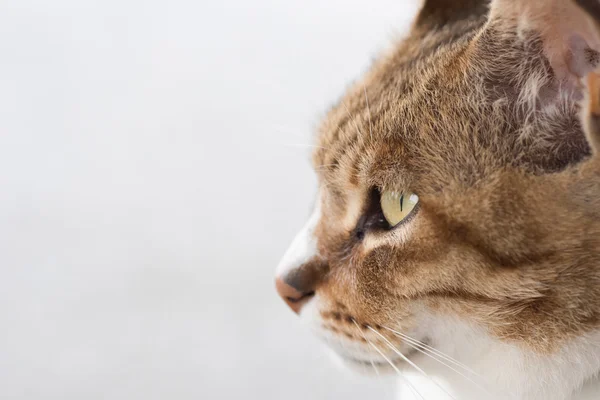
x=498 y=370
x=589 y=391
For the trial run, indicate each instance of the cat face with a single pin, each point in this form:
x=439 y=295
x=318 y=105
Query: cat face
x=453 y=207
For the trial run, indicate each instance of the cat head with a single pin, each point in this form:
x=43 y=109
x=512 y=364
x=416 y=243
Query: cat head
x=457 y=198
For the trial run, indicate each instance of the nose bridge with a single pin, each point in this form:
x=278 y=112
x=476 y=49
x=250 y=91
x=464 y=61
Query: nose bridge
x=300 y=268
x=303 y=248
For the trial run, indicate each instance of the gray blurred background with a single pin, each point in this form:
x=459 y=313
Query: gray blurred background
x=153 y=169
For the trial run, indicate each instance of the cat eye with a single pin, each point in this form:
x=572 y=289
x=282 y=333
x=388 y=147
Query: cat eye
x=386 y=210
x=397 y=206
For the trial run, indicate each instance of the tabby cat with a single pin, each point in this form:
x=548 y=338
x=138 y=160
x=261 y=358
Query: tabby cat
x=455 y=239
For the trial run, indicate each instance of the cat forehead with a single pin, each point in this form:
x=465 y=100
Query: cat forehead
x=357 y=164
x=376 y=132
x=373 y=138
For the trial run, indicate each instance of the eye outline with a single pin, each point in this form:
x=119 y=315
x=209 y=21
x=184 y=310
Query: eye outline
x=373 y=219
x=402 y=195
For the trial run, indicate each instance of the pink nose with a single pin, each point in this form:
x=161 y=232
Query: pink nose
x=293 y=297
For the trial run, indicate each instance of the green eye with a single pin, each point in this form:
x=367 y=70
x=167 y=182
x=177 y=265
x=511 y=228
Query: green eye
x=396 y=206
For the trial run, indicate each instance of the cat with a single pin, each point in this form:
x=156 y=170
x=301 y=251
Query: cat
x=455 y=239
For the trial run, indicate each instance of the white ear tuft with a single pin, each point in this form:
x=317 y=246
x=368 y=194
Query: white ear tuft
x=570 y=37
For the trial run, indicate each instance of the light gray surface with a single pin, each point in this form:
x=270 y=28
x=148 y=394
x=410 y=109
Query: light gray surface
x=147 y=192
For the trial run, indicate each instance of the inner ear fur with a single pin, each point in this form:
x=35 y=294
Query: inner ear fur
x=567 y=28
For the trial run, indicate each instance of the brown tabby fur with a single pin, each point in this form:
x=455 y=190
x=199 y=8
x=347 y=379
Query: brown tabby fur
x=508 y=231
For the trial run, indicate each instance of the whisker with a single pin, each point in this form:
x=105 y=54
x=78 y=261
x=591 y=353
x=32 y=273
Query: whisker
x=369 y=111
x=400 y=374
x=435 y=351
x=412 y=364
x=288 y=130
x=375 y=368
x=426 y=349
x=414 y=346
x=320 y=167
x=364 y=337
x=304 y=145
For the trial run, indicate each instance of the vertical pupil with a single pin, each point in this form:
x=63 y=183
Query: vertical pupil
x=401 y=202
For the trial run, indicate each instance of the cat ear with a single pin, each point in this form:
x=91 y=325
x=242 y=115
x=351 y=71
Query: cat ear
x=567 y=29
x=590 y=115
x=591 y=106
x=435 y=14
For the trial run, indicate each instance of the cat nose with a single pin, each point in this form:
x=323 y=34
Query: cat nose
x=293 y=292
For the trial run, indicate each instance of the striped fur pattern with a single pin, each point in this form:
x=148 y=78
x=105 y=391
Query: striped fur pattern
x=478 y=111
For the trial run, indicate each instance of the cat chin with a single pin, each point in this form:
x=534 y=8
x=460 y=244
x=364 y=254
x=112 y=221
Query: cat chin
x=374 y=366
x=364 y=367
x=496 y=369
